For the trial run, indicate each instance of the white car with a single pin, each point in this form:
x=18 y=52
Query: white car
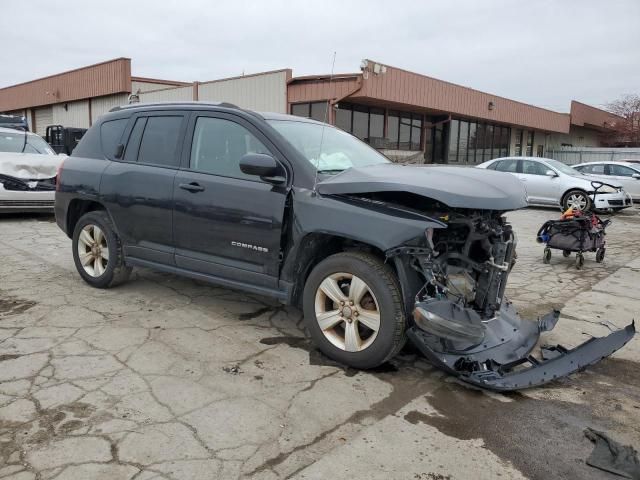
x=626 y=174
x=552 y=183
x=28 y=167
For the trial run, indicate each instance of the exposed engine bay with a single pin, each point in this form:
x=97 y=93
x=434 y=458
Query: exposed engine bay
x=462 y=321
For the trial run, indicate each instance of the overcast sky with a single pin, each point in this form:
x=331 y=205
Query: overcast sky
x=541 y=52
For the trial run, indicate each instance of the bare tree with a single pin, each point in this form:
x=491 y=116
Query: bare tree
x=626 y=131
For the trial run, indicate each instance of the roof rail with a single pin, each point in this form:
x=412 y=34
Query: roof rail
x=185 y=103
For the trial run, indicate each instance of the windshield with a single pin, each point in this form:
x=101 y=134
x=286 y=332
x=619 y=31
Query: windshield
x=14 y=142
x=561 y=167
x=340 y=150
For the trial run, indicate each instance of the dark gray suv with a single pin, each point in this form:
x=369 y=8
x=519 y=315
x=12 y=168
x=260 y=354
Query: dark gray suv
x=374 y=252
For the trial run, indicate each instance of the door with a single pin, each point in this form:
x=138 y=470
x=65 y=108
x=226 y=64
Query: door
x=624 y=176
x=226 y=223
x=541 y=188
x=138 y=189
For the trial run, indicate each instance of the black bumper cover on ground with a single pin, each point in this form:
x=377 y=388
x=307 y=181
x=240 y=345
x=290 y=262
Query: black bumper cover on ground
x=503 y=362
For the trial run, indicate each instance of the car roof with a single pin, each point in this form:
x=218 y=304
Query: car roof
x=14 y=130
x=535 y=159
x=609 y=162
x=194 y=105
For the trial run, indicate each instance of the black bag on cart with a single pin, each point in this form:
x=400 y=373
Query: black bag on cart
x=575 y=235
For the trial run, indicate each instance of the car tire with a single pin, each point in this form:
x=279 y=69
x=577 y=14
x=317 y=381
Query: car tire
x=93 y=234
x=573 y=196
x=346 y=334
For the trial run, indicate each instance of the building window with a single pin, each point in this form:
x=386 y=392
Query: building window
x=404 y=142
x=454 y=140
x=416 y=130
x=463 y=141
x=471 y=155
x=376 y=127
x=367 y=123
x=360 y=123
x=471 y=142
x=393 y=129
x=529 y=152
x=343 y=119
x=518 y=138
x=505 y=141
x=319 y=111
x=316 y=110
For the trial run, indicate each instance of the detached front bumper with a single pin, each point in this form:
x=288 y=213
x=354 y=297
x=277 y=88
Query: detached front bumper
x=503 y=360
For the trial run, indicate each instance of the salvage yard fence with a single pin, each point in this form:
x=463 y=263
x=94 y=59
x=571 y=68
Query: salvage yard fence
x=575 y=155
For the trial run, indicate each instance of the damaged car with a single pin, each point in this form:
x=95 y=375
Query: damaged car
x=375 y=253
x=28 y=167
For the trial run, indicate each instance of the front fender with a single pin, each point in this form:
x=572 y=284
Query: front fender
x=379 y=225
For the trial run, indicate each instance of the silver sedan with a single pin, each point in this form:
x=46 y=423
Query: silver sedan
x=626 y=174
x=552 y=183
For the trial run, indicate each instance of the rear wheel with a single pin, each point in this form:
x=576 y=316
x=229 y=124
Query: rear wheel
x=353 y=309
x=97 y=251
x=566 y=253
x=546 y=255
x=600 y=255
x=576 y=199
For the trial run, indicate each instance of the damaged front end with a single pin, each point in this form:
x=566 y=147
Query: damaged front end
x=462 y=322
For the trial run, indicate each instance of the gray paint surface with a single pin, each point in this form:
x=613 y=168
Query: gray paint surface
x=454 y=186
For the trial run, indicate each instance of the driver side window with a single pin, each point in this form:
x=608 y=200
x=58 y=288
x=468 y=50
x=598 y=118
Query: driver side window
x=219 y=144
x=530 y=167
x=621 y=171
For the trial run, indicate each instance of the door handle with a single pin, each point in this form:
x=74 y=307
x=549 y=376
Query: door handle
x=192 y=187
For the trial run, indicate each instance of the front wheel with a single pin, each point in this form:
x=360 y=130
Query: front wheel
x=577 y=200
x=353 y=309
x=97 y=251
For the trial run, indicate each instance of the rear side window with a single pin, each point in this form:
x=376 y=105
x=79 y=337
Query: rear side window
x=110 y=136
x=599 y=168
x=507 y=166
x=131 y=152
x=160 y=141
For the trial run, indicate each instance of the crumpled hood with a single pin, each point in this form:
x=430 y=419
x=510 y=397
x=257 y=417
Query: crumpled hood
x=457 y=187
x=29 y=166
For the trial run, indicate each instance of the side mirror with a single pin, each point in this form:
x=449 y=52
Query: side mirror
x=550 y=173
x=263 y=166
x=636 y=176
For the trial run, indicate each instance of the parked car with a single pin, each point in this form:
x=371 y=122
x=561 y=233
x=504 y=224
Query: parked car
x=549 y=182
x=28 y=168
x=278 y=205
x=626 y=174
x=14 y=121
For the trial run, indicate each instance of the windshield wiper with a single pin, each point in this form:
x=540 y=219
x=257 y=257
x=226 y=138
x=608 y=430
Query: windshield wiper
x=332 y=170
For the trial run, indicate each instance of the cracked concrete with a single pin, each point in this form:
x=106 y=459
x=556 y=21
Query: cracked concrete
x=167 y=378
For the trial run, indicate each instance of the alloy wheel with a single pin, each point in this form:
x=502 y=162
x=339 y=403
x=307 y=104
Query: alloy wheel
x=577 y=201
x=93 y=250
x=347 y=312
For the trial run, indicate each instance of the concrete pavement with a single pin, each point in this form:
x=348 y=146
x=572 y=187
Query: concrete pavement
x=168 y=378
